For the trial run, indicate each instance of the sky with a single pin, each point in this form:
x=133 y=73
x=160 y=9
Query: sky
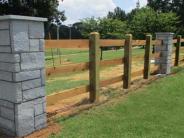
x=80 y=9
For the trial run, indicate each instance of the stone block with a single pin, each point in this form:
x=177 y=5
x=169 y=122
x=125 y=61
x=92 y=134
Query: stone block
x=34 y=45
x=33 y=93
x=4 y=38
x=11 y=67
x=36 y=30
x=11 y=58
x=42 y=45
x=39 y=106
x=7 y=132
x=11 y=91
x=5 y=49
x=26 y=75
x=7 y=124
x=6 y=104
x=43 y=74
x=7 y=76
x=7 y=113
x=39 y=109
x=40 y=121
x=19 y=36
x=26 y=85
x=32 y=60
x=4 y=25
x=24 y=118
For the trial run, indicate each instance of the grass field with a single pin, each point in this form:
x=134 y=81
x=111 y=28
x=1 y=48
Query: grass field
x=155 y=111
x=69 y=56
x=63 y=82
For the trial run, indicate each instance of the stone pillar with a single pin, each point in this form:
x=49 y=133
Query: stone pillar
x=22 y=83
x=165 y=61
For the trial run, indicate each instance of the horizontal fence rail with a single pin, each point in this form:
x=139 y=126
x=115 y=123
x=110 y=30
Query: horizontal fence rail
x=84 y=43
x=94 y=64
x=51 y=71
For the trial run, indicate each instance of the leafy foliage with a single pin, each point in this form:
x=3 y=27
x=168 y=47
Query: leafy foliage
x=146 y=20
x=108 y=28
x=165 y=6
x=38 y=8
x=118 y=13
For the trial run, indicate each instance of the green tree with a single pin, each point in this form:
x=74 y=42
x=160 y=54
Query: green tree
x=146 y=20
x=89 y=25
x=176 y=6
x=108 y=28
x=112 y=28
x=160 y=5
x=38 y=8
x=118 y=13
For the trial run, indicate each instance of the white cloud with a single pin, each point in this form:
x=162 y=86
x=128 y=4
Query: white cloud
x=143 y=2
x=79 y=9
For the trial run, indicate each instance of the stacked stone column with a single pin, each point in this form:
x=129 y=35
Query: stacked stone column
x=22 y=82
x=165 y=60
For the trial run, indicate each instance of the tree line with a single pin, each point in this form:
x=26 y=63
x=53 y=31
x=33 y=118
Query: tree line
x=157 y=16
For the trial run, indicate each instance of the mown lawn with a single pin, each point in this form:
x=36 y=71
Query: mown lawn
x=152 y=112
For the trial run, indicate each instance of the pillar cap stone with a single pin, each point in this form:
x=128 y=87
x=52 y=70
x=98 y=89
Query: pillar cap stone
x=18 y=17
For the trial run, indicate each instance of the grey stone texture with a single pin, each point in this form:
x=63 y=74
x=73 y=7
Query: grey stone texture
x=22 y=76
x=165 y=60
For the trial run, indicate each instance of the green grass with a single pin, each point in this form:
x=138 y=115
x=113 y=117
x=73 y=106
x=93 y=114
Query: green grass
x=83 y=56
x=153 y=112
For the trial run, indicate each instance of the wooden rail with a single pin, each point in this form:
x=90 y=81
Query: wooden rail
x=182 y=40
x=175 y=41
x=94 y=64
x=84 y=43
x=54 y=98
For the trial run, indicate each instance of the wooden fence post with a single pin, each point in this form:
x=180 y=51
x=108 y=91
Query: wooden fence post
x=147 y=56
x=127 y=62
x=94 y=57
x=177 y=54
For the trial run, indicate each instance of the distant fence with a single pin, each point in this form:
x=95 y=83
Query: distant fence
x=94 y=44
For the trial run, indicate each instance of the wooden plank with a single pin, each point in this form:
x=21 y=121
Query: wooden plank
x=67 y=69
x=182 y=40
x=54 y=98
x=106 y=63
x=147 y=57
x=84 y=43
x=110 y=81
x=127 y=62
x=138 y=42
x=94 y=71
x=175 y=41
x=111 y=42
x=84 y=66
x=80 y=67
x=74 y=43
x=177 y=52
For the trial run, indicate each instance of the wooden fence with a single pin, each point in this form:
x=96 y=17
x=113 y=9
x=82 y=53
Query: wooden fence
x=94 y=44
